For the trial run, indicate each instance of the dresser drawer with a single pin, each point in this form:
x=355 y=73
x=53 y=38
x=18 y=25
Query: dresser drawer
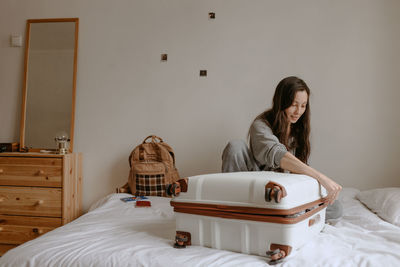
x=30 y=201
x=46 y=172
x=16 y=230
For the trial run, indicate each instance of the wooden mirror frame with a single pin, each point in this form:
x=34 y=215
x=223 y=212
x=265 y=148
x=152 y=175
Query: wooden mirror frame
x=25 y=82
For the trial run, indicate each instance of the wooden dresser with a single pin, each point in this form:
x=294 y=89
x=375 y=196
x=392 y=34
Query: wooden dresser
x=38 y=192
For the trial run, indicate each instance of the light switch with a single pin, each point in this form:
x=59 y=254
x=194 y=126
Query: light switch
x=16 y=40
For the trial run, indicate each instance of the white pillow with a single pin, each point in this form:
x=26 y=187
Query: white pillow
x=383 y=201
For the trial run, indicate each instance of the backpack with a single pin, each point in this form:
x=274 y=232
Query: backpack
x=152 y=168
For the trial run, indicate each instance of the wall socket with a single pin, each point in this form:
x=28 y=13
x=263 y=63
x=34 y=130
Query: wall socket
x=16 y=40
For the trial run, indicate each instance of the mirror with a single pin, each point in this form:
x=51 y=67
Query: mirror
x=48 y=103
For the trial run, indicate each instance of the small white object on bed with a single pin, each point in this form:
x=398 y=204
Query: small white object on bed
x=114 y=233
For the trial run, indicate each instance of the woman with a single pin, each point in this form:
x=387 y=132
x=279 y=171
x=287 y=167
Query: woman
x=279 y=141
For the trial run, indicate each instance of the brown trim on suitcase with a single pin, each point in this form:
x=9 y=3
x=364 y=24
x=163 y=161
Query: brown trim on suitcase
x=247 y=210
x=252 y=217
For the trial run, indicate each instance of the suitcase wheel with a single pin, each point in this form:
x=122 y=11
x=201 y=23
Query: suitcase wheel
x=268 y=195
x=273 y=262
x=173 y=189
x=273 y=193
x=176 y=189
x=180 y=241
x=176 y=245
x=277 y=194
x=272 y=252
x=167 y=189
x=276 y=255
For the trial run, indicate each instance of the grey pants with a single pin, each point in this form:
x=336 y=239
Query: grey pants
x=238 y=157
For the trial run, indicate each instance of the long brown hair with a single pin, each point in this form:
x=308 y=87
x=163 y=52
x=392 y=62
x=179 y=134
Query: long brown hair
x=276 y=118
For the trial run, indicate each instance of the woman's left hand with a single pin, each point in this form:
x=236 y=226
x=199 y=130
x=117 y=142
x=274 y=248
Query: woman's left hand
x=331 y=186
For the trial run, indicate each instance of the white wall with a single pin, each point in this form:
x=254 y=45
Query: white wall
x=347 y=52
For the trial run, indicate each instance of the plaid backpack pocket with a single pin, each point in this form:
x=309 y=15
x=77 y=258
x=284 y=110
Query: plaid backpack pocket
x=150 y=179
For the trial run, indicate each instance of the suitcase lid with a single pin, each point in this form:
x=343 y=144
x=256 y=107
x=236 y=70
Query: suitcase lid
x=248 y=189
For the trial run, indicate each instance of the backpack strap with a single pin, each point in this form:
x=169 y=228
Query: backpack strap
x=130 y=158
x=169 y=149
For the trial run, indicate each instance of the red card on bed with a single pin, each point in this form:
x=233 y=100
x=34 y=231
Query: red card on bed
x=143 y=203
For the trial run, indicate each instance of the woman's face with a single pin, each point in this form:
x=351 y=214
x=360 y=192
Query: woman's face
x=294 y=112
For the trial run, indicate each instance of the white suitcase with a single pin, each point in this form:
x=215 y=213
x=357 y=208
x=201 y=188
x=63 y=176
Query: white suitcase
x=262 y=213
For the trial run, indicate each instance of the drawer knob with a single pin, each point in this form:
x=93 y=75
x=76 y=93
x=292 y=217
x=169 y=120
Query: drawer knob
x=1 y=229
x=37 y=231
x=1 y=199
x=40 y=172
x=1 y=171
x=39 y=202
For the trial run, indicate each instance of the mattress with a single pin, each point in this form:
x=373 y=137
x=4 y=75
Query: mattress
x=114 y=233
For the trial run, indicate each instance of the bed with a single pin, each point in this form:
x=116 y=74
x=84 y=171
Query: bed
x=114 y=233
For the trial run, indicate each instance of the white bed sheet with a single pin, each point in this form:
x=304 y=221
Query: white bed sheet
x=114 y=233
